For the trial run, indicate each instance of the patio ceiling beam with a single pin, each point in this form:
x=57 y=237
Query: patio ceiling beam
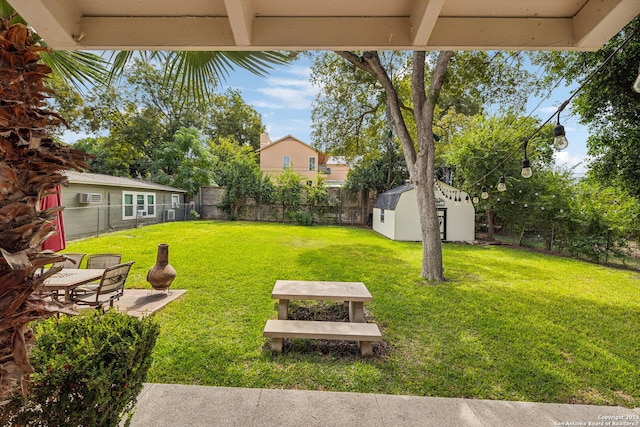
x=332 y=33
x=597 y=22
x=63 y=26
x=268 y=33
x=58 y=20
x=157 y=33
x=488 y=33
x=423 y=19
x=241 y=17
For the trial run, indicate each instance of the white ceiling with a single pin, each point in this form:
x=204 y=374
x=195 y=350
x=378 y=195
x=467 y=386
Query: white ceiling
x=327 y=24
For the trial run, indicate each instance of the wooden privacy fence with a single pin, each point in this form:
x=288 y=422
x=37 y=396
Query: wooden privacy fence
x=345 y=209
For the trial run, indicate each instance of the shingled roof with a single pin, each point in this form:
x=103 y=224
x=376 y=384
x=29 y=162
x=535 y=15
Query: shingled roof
x=116 y=181
x=389 y=199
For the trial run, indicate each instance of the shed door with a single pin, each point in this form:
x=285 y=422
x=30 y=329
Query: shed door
x=442 y=220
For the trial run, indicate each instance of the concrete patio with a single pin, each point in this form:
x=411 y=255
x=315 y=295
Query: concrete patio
x=141 y=302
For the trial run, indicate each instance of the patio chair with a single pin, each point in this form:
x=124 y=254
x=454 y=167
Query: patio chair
x=103 y=260
x=73 y=260
x=109 y=289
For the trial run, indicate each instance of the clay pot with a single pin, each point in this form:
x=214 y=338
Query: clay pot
x=162 y=274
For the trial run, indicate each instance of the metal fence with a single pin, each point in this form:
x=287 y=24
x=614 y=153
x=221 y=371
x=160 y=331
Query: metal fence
x=87 y=221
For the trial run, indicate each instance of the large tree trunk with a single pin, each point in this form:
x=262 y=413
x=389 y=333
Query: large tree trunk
x=422 y=172
x=30 y=167
x=420 y=161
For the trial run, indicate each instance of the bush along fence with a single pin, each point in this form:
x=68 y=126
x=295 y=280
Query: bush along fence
x=569 y=235
x=338 y=207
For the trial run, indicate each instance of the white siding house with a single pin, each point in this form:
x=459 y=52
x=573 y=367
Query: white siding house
x=395 y=214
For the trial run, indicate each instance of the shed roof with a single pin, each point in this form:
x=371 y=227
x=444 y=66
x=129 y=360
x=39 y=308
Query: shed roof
x=389 y=199
x=116 y=181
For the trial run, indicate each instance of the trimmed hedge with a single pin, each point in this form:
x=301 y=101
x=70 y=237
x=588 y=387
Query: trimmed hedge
x=89 y=370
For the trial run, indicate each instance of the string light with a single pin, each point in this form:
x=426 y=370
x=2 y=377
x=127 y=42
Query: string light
x=502 y=184
x=484 y=194
x=559 y=129
x=560 y=141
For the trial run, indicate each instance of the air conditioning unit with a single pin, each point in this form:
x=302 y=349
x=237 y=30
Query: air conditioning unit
x=170 y=215
x=90 y=198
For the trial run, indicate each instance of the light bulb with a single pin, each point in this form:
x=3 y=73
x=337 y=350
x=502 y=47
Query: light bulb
x=502 y=184
x=466 y=199
x=559 y=139
x=526 y=168
x=484 y=193
x=475 y=198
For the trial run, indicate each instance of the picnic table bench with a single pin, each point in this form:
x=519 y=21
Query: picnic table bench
x=364 y=333
x=355 y=293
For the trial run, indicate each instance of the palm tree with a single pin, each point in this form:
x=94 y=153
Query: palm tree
x=30 y=167
x=32 y=163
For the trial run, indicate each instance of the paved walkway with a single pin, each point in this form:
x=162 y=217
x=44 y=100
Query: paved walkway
x=182 y=405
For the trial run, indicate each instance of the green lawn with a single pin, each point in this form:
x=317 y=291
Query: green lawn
x=508 y=324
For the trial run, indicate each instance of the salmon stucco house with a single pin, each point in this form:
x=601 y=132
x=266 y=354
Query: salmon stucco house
x=291 y=153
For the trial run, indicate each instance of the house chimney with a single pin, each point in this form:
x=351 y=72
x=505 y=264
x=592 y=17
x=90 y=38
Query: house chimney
x=264 y=140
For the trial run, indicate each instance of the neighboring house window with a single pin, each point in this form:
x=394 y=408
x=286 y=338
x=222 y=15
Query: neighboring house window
x=312 y=163
x=134 y=204
x=151 y=205
x=286 y=162
x=175 y=201
x=127 y=205
x=381 y=215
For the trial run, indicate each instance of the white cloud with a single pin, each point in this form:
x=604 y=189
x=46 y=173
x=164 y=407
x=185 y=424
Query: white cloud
x=577 y=162
x=289 y=90
x=549 y=110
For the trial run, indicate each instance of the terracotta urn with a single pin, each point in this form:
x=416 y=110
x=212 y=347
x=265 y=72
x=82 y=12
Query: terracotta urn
x=162 y=274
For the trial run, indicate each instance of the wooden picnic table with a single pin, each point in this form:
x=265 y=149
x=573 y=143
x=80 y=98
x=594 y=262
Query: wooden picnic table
x=355 y=293
x=69 y=278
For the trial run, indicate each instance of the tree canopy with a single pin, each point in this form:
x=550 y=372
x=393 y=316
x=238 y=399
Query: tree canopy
x=139 y=121
x=607 y=104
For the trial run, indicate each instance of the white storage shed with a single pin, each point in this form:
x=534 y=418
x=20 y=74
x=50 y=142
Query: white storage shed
x=395 y=214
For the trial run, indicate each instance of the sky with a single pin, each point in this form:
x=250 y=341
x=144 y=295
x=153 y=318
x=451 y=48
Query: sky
x=284 y=100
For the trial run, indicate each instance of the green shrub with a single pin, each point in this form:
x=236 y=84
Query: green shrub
x=89 y=370
x=303 y=218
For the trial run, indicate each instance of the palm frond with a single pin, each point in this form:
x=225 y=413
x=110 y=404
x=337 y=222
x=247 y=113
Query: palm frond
x=9 y=13
x=118 y=61
x=80 y=69
x=197 y=73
